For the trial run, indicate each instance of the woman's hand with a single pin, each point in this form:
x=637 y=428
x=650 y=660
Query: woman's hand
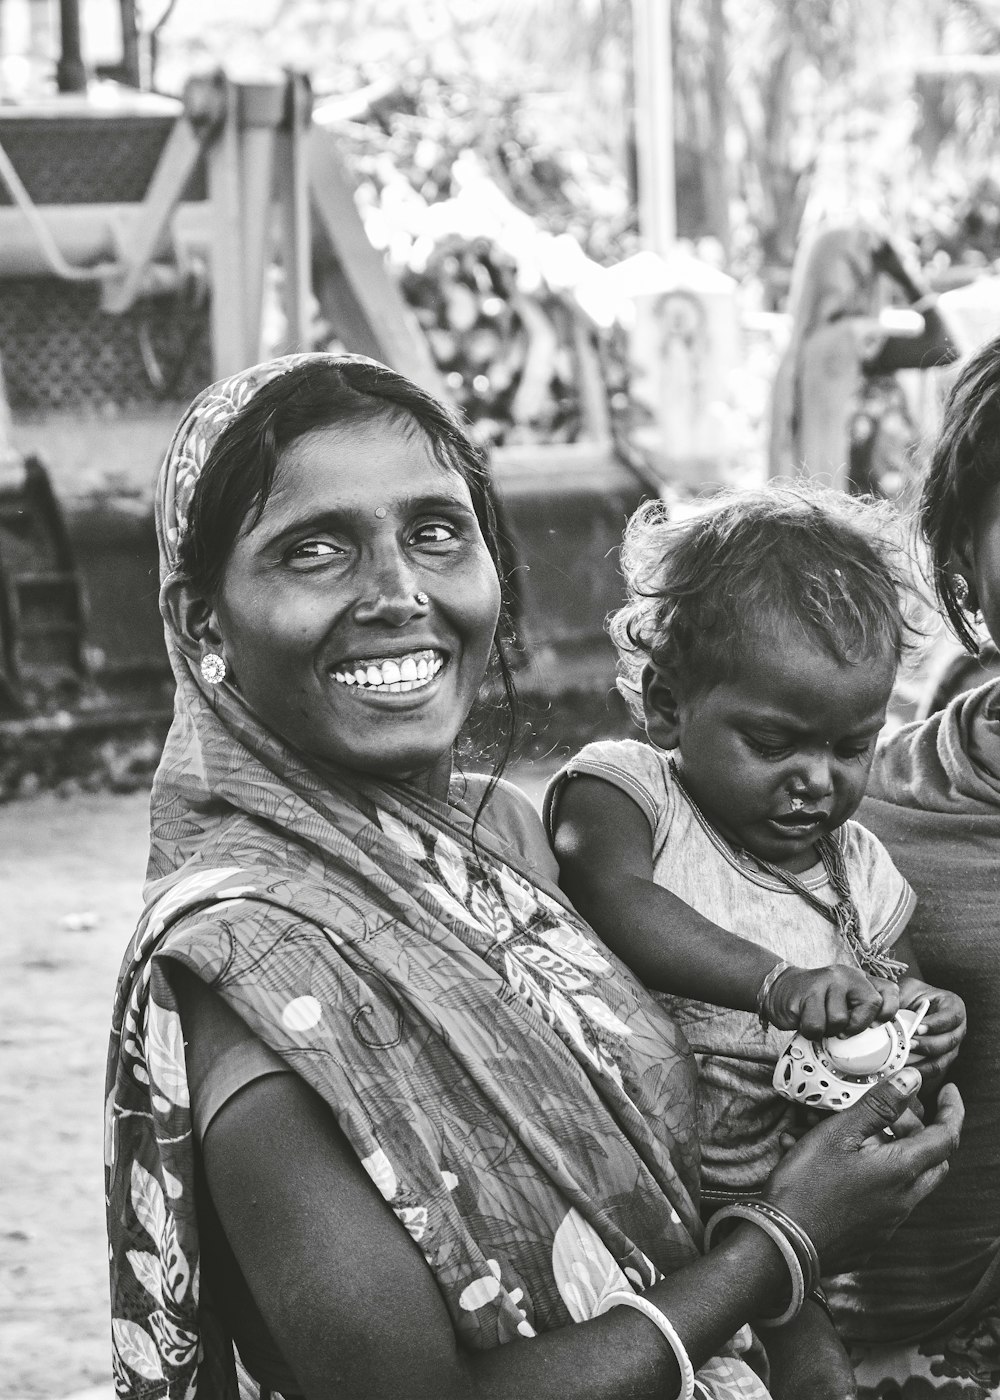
x=939 y=1038
x=846 y=1183
x=835 y=1000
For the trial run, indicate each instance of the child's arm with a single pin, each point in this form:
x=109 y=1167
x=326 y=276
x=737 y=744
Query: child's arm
x=939 y=1039
x=604 y=846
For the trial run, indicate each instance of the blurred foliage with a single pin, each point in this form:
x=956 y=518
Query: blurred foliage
x=785 y=109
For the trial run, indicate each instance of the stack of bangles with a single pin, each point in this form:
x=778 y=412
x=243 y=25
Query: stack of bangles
x=797 y=1250
x=764 y=992
x=794 y=1245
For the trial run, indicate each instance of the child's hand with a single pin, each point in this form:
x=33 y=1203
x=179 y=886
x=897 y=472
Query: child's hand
x=940 y=1037
x=821 y=1001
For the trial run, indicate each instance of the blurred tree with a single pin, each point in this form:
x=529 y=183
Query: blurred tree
x=775 y=99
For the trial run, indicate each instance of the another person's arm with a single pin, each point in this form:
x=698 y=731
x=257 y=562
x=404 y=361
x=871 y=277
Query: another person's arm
x=603 y=843
x=933 y=345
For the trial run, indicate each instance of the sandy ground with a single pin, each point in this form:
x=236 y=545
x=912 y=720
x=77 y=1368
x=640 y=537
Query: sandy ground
x=70 y=874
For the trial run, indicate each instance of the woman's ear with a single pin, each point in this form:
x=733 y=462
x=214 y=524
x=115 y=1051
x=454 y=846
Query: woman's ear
x=191 y=617
x=963 y=566
x=659 y=703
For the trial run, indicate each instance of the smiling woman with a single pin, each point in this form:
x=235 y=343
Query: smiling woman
x=360 y=633
x=384 y=1116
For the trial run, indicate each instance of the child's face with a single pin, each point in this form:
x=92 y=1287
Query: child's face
x=779 y=755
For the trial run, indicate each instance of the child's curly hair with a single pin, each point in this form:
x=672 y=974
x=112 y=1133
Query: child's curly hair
x=707 y=590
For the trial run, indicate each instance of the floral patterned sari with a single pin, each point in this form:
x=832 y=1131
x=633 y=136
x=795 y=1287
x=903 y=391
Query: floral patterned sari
x=522 y=1104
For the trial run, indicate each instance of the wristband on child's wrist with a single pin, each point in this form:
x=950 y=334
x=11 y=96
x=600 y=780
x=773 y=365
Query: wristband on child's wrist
x=764 y=992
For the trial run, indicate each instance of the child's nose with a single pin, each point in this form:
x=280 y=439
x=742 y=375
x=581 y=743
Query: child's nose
x=815 y=773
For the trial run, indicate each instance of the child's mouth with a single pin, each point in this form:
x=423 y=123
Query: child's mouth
x=799 y=822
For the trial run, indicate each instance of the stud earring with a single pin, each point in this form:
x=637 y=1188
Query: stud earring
x=421 y=599
x=213 y=668
x=960 y=586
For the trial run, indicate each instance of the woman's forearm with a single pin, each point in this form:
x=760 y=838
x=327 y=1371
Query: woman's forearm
x=621 y=1354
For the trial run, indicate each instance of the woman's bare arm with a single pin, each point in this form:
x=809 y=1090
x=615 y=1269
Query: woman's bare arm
x=351 y=1302
x=354 y=1307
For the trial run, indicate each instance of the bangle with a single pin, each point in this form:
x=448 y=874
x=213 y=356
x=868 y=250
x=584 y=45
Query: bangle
x=764 y=991
x=817 y=1296
x=659 y=1319
x=745 y=1211
x=797 y=1238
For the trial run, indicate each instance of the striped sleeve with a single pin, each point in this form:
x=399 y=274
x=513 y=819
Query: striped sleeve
x=635 y=769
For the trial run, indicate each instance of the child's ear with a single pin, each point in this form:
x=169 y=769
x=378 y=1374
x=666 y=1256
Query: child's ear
x=659 y=703
x=192 y=619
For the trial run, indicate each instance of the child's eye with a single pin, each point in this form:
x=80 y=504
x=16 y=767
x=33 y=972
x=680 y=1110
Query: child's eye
x=773 y=750
x=858 y=749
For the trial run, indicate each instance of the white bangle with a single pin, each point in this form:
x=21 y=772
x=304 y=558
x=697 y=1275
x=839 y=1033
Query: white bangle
x=739 y=1211
x=663 y=1325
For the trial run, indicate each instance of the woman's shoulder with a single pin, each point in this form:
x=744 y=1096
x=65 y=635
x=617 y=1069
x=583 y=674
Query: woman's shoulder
x=510 y=815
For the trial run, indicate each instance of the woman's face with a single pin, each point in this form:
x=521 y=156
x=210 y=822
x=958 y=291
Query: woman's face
x=358 y=614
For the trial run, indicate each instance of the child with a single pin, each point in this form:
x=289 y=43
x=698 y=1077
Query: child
x=758 y=647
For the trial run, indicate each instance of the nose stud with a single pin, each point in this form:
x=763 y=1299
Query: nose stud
x=380 y=512
x=797 y=803
x=421 y=599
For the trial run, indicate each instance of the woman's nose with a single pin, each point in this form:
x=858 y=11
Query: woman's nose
x=389 y=594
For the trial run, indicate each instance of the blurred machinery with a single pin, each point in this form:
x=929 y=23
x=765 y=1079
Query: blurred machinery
x=148 y=246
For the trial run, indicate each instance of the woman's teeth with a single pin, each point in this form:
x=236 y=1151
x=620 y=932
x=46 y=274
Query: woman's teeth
x=398 y=673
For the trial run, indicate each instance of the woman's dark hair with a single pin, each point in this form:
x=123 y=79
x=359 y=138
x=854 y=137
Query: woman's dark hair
x=964 y=467
x=709 y=589
x=238 y=477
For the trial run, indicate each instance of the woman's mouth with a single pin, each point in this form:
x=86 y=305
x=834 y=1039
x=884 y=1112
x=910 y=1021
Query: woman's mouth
x=412 y=670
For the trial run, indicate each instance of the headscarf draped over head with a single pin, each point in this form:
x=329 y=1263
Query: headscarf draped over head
x=524 y=1107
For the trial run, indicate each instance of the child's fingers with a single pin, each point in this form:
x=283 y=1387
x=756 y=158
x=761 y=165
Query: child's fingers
x=934 y=1047
x=868 y=1000
x=822 y=1013
x=889 y=993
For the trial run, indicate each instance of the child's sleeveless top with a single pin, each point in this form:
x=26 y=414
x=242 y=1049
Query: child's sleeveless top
x=740 y=1117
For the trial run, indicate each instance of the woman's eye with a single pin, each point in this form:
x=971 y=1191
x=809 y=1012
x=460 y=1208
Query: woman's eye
x=314 y=549
x=434 y=532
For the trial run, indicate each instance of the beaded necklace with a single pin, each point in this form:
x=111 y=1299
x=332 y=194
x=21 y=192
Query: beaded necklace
x=843 y=914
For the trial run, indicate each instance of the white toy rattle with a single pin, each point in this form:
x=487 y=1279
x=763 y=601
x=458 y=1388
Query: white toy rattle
x=834 y=1072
